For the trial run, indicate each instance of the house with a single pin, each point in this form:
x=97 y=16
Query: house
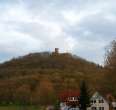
x=114 y=105
x=112 y=101
x=69 y=100
x=98 y=102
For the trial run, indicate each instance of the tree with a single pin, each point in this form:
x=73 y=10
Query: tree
x=57 y=105
x=110 y=68
x=22 y=95
x=44 y=93
x=110 y=60
x=84 y=96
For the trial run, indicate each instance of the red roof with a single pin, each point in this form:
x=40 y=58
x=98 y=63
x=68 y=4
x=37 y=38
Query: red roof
x=68 y=93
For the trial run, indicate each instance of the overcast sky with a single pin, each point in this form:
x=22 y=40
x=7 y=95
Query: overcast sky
x=83 y=27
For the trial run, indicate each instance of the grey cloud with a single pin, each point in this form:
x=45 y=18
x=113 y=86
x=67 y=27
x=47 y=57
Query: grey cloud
x=79 y=26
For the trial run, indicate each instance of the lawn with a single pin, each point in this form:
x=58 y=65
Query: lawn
x=20 y=108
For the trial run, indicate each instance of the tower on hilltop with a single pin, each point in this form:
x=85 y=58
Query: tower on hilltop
x=56 y=51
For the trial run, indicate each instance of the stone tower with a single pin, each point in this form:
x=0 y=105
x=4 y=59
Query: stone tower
x=56 y=50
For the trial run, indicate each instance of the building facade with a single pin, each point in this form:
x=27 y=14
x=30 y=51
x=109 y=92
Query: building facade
x=69 y=100
x=98 y=102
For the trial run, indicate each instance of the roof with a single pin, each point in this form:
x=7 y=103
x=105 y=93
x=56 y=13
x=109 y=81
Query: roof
x=98 y=96
x=68 y=93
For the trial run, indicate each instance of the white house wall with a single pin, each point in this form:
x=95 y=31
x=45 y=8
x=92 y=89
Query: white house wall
x=95 y=102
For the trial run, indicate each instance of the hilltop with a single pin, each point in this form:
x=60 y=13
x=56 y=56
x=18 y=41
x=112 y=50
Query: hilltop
x=46 y=71
x=24 y=65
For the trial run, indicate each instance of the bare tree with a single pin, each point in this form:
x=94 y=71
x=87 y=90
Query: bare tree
x=110 y=68
x=110 y=60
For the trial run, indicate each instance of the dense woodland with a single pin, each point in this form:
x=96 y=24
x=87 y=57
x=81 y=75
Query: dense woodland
x=38 y=78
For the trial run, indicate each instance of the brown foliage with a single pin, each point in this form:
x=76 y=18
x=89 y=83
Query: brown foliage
x=37 y=78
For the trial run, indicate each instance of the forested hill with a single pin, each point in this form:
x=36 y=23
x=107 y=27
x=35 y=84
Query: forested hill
x=38 y=77
x=46 y=62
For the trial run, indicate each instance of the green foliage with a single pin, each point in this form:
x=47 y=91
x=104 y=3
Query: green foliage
x=57 y=105
x=84 y=96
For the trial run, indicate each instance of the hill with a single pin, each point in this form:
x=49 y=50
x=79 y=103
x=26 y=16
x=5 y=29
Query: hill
x=35 y=76
x=46 y=61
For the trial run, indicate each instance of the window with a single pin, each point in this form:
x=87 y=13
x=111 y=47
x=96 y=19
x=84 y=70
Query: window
x=73 y=98
x=70 y=98
x=101 y=101
x=94 y=101
x=91 y=101
x=93 y=108
x=76 y=98
x=102 y=108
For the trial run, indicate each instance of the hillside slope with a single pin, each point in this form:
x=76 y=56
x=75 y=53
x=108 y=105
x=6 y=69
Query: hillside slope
x=37 y=72
x=47 y=61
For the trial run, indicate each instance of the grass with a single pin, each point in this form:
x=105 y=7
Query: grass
x=15 y=107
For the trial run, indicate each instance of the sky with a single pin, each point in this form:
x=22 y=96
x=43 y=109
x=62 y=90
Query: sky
x=82 y=27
